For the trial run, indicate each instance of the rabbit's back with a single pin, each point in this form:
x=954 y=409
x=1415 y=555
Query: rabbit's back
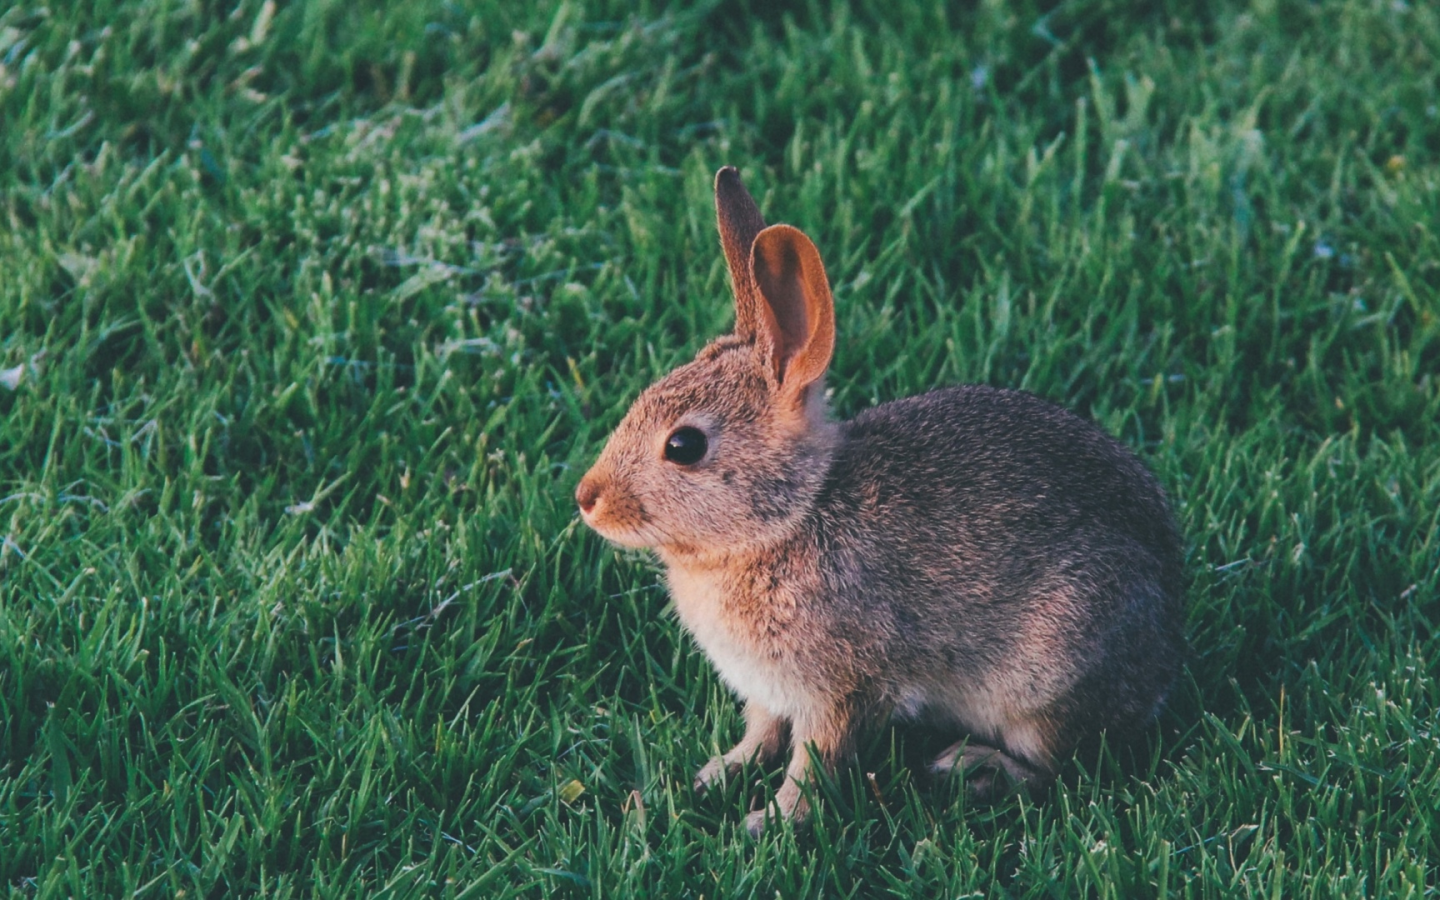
x=993 y=546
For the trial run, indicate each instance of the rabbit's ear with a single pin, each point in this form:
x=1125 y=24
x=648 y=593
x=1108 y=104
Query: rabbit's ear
x=739 y=220
x=797 y=313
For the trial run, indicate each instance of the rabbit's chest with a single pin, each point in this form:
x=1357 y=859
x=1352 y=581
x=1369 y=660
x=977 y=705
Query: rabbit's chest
x=752 y=650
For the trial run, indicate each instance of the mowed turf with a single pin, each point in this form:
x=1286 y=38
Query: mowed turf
x=312 y=315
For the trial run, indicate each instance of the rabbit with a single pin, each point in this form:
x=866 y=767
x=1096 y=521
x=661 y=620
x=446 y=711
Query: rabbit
x=974 y=558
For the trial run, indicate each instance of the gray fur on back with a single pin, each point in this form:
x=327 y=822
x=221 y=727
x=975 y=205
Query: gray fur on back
x=988 y=532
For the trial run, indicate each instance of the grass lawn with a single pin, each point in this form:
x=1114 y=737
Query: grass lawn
x=312 y=315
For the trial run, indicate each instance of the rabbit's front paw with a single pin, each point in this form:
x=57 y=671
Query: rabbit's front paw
x=755 y=821
x=712 y=773
x=790 y=805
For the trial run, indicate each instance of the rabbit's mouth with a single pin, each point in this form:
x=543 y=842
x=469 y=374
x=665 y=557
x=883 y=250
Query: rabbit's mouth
x=634 y=537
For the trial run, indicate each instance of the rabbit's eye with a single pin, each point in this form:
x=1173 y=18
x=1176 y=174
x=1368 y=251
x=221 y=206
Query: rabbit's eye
x=685 y=446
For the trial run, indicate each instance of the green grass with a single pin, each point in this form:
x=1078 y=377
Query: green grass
x=315 y=313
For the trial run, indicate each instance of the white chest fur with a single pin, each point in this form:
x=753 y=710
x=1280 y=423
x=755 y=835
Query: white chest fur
x=753 y=668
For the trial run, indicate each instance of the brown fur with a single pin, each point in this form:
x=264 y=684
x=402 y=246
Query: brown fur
x=974 y=557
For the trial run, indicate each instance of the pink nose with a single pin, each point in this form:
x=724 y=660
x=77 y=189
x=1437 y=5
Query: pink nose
x=586 y=495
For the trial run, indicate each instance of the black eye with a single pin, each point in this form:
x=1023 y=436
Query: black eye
x=685 y=446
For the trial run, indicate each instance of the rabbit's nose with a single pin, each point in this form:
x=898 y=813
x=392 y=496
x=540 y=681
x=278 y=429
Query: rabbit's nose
x=586 y=495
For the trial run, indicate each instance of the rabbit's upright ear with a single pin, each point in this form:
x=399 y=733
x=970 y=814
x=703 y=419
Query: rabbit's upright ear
x=797 y=313
x=739 y=220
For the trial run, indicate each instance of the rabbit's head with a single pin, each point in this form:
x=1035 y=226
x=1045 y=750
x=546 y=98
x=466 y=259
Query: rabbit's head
x=729 y=450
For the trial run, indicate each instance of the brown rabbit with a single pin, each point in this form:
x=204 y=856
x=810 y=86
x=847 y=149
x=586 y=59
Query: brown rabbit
x=974 y=557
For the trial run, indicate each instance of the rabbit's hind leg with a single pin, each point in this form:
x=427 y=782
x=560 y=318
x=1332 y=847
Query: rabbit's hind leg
x=990 y=772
